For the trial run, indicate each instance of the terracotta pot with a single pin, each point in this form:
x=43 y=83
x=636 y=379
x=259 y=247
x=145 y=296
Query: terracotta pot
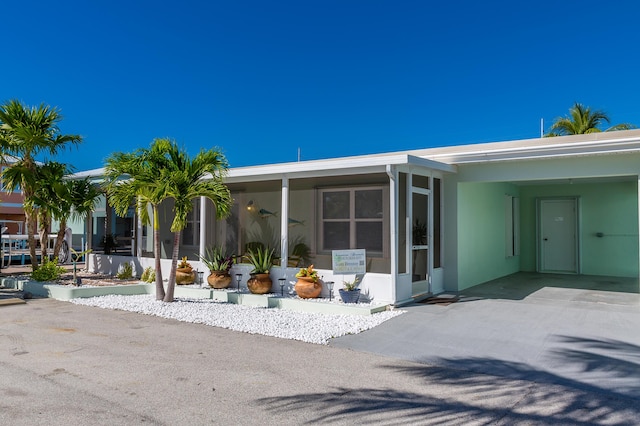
x=306 y=288
x=219 y=279
x=185 y=276
x=259 y=283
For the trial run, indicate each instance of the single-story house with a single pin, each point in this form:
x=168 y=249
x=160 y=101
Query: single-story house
x=430 y=220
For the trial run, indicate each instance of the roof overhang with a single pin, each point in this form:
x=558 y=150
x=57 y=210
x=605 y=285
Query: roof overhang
x=333 y=167
x=620 y=142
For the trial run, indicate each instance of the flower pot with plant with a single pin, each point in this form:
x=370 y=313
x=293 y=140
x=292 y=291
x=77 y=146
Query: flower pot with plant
x=261 y=259
x=307 y=286
x=219 y=265
x=349 y=293
x=185 y=273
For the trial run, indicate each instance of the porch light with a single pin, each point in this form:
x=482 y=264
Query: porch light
x=251 y=207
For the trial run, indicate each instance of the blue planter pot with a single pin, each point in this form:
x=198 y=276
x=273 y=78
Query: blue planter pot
x=350 y=296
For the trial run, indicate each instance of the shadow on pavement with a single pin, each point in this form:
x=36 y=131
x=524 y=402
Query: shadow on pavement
x=489 y=391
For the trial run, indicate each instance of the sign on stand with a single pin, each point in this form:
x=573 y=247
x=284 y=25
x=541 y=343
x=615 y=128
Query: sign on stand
x=349 y=261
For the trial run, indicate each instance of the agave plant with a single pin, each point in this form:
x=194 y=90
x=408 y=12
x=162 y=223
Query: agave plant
x=216 y=260
x=261 y=259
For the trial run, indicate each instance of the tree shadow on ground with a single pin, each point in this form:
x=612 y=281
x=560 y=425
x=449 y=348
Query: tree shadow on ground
x=483 y=391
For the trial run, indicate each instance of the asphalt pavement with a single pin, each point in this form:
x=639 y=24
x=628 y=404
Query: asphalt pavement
x=64 y=364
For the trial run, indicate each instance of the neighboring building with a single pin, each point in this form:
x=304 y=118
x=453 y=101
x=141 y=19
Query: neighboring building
x=439 y=219
x=11 y=209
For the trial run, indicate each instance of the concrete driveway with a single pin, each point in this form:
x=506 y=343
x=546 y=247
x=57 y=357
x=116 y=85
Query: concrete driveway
x=583 y=332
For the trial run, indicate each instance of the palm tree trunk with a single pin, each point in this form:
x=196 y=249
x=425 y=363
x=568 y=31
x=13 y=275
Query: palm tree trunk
x=157 y=252
x=43 y=231
x=60 y=238
x=174 y=265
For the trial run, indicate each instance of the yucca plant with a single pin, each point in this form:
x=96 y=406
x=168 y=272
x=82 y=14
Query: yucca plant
x=261 y=259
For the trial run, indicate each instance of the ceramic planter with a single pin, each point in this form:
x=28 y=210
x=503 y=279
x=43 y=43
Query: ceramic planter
x=350 y=296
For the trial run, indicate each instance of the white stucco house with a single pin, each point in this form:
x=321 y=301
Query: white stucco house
x=430 y=220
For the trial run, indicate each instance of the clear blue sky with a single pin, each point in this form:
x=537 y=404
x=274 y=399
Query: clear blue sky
x=334 y=77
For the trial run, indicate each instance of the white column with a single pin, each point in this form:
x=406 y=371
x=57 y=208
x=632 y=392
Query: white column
x=138 y=247
x=284 y=223
x=393 y=229
x=88 y=239
x=203 y=225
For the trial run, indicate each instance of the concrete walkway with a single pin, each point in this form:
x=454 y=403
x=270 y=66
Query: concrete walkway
x=581 y=332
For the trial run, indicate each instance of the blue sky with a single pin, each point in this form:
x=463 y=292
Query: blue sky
x=260 y=79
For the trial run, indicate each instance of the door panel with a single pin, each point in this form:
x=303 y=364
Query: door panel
x=558 y=236
x=420 y=243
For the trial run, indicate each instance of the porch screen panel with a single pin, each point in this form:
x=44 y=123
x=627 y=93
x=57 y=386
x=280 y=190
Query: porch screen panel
x=437 y=223
x=402 y=223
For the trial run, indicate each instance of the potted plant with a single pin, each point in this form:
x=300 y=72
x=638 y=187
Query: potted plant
x=349 y=293
x=185 y=273
x=307 y=286
x=261 y=259
x=219 y=265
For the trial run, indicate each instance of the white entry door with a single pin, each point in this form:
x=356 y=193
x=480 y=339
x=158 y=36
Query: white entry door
x=558 y=237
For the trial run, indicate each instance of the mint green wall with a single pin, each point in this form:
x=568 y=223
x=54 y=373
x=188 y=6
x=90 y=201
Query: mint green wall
x=481 y=233
x=610 y=208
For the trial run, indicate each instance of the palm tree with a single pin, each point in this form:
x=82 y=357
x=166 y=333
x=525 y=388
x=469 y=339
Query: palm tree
x=133 y=178
x=26 y=132
x=185 y=179
x=583 y=120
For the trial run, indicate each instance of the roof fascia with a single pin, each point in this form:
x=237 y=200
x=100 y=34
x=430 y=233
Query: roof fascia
x=333 y=167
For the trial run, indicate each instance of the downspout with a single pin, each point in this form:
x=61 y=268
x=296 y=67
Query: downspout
x=393 y=230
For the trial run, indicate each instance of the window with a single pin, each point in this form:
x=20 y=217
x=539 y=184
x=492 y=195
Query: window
x=191 y=232
x=353 y=218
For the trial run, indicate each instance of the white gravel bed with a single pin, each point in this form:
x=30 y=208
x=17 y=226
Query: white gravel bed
x=304 y=326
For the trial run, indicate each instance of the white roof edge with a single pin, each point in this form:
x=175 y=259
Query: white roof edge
x=342 y=166
x=535 y=148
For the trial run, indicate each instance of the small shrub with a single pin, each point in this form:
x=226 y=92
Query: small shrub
x=125 y=271
x=148 y=275
x=48 y=271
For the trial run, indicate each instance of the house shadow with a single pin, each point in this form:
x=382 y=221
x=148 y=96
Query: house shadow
x=520 y=285
x=487 y=391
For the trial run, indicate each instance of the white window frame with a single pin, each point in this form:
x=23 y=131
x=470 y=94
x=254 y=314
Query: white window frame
x=194 y=218
x=353 y=220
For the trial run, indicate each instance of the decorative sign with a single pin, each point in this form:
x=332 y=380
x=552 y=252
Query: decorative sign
x=349 y=261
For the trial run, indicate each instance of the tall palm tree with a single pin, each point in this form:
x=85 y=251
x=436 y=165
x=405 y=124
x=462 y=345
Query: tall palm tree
x=133 y=178
x=581 y=120
x=60 y=197
x=186 y=179
x=26 y=132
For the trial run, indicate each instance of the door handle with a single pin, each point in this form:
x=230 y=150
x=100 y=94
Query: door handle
x=546 y=239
